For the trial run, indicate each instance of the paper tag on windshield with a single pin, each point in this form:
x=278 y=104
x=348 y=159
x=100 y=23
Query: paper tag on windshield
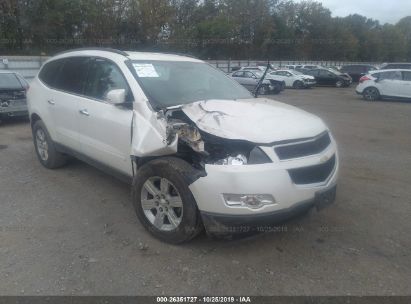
x=145 y=70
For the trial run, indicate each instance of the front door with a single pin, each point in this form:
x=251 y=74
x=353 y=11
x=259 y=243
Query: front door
x=105 y=129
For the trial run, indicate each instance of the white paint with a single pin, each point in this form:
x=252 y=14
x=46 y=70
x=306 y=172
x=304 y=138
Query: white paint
x=256 y=120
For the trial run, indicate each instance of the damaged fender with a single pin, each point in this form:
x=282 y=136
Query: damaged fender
x=149 y=136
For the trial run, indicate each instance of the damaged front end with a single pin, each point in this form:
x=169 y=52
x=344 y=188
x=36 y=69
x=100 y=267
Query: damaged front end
x=200 y=148
x=174 y=133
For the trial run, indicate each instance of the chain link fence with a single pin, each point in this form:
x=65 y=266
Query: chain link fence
x=28 y=66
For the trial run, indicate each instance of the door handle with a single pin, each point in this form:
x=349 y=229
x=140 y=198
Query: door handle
x=84 y=112
x=51 y=101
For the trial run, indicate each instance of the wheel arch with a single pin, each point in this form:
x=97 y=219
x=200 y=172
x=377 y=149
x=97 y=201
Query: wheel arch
x=34 y=117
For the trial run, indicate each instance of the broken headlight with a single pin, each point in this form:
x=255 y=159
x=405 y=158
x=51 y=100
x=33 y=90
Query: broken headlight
x=256 y=156
x=238 y=160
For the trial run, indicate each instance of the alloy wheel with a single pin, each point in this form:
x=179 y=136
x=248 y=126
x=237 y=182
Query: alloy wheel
x=161 y=203
x=41 y=144
x=371 y=94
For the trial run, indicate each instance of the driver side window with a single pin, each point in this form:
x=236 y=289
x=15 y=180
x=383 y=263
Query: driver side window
x=105 y=76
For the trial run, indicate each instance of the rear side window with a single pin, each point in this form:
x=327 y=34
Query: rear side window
x=105 y=76
x=73 y=75
x=49 y=72
x=238 y=74
x=392 y=75
x=9 y=81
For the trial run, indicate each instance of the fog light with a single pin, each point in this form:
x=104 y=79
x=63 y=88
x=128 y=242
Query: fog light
x=253 y=201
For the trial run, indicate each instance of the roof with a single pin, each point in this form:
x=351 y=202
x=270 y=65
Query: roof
x=160 y=56
x=8 y=72
x=390 y=70
x=128 y=54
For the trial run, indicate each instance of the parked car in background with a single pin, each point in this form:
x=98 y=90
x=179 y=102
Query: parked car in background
x=250 y=79
x=330 y=77
x=199 y=149
x=394 y=83
x=293 y=78
x=396 y=65
x=356 y=71
x=293 y=66
x=13 y=88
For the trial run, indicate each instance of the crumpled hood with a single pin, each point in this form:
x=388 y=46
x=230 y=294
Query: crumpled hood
x=256 y=120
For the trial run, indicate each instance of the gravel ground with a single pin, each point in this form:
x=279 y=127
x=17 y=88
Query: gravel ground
x=73 y=231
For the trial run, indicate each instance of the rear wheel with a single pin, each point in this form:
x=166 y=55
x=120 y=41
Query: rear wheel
x=45 y=148
x=371 y=94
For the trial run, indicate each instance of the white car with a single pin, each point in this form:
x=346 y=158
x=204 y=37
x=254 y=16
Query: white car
x=302 y=66
x=379 y=84
x=293 y=79
x=199 y=149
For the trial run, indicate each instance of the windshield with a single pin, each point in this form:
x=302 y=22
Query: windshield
x=9 y=81
x=332 y=70
x=173 y=83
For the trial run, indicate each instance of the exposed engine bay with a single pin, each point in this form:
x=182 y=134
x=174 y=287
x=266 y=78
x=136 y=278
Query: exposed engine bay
x=200 y=148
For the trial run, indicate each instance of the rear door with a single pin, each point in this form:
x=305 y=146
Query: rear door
x=105 y=135
x=391 y=83
x=62 y=99
x=326 y=78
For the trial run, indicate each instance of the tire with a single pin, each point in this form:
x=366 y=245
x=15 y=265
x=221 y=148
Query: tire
x=339 y=84
x=298 y=84
x=371 y=94
x=174 y=225
x=45 y=148
x=262 y=90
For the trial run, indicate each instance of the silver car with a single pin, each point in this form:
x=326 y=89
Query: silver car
x=249 y=79
x=13 y=88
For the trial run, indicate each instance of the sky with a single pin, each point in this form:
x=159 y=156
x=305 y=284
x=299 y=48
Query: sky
x=390 y=11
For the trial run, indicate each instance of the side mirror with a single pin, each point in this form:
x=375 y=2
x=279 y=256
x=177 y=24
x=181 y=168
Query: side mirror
x=116 y=96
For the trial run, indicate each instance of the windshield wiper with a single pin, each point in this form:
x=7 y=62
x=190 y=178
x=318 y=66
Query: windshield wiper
x=261 y=80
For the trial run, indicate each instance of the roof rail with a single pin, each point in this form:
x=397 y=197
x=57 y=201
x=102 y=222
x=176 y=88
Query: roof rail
x=94 y=49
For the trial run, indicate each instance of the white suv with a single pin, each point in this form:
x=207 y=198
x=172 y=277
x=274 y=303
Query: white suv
x=199 y=149
x=385 y=84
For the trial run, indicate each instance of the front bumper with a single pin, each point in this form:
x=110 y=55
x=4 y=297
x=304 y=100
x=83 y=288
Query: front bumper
x=265 y=222
x=273 y=179
x=309 y=83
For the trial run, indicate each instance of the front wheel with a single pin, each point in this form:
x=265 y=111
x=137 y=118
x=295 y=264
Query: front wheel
x=262 y=90
x=339 y=84
x=298 y=84
x=163 y=201
x=371 y=94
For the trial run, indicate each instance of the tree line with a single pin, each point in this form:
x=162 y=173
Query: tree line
x=209 y=29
